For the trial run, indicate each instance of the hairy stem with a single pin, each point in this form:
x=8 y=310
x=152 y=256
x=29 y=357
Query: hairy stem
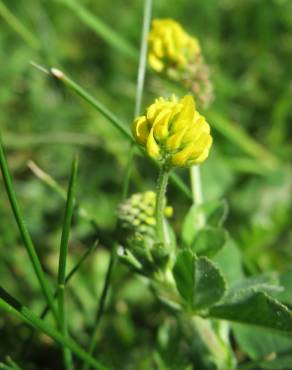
x=160 y=204
x=197 y=192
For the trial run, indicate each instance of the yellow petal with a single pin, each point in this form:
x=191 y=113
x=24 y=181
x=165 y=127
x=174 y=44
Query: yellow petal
x=160 y=124
x=180 y=159
x=157 y=48
x=154 y=109
x=140 y=130
x=171 y=51
x=189 y=107
x=152 y=147
x=196 y=129
x=202 y=145
x=186 y=115
x=155 y=63
x=204 y=154
x=174 y=141
x=201 y=158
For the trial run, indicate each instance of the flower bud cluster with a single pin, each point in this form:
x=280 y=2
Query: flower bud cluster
x=137 y=214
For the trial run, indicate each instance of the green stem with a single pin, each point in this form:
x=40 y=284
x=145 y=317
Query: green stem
x=196 y=185
x=94 y=338
x=160 y=205
x=63 y=261
x=25 y=234
x=197 y=193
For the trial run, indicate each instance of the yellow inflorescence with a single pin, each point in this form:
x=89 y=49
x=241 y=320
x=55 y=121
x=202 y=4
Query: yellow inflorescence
x=174 y=132
x=170 y=45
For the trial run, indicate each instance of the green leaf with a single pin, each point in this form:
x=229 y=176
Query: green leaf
x=270 y=349
x=255 y=308
x=230 y=262
x=285 y=281
x=209 y=241
x=214 y=214
x=198 y=280
x=263 y=283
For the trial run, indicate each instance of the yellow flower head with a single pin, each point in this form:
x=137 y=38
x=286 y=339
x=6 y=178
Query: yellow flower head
x=174 y=132
x=170 y=45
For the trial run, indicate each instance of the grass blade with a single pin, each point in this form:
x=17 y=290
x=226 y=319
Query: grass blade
x=52 y=184
x=10 y=305
x=73 y=271
x=18 y=27
x=63 y=260
x=71 y=274
x=92 y=101
x=241 y=139
x=101 y=29
x=25 y=234
x=139 y=88
x=94 y=338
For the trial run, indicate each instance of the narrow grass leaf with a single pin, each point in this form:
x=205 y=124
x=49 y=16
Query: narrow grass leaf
x=63 y=260
x=44 y=284
x=69 y=276
x=238 y=136
x=12 y=306
x=101 y=305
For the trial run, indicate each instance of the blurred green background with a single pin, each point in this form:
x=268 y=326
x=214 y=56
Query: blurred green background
x=248 y=45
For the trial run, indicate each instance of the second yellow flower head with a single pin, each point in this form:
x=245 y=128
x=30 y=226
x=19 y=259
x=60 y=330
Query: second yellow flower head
x=173 y=131
x=170 y=45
